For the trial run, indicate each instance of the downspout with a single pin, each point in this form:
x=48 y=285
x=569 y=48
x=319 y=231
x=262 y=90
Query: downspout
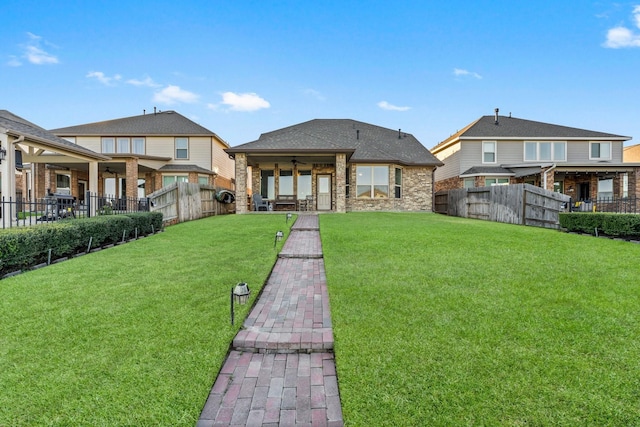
x=544 y=175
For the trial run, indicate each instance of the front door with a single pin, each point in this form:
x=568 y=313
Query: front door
x=584 y=191
x=324 y=193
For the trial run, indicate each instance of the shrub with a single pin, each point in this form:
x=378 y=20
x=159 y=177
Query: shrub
x=626 y=225
x=22 y=248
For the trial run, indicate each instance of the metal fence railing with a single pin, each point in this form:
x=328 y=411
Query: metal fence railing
x=612 y=205
x=23 y=212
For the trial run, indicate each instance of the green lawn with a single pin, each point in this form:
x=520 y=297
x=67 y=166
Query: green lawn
x=437 y=320
x=444 y=321
x=132 y=335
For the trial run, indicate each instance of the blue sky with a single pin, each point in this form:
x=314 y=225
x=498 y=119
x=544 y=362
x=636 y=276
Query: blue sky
x=241 y=68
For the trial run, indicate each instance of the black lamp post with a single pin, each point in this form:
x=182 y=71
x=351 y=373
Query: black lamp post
x=240 y=295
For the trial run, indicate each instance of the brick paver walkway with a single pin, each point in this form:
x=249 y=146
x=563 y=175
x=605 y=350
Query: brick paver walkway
x=281 y=370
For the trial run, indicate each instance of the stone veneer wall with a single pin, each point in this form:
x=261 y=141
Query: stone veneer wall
x=417 y=192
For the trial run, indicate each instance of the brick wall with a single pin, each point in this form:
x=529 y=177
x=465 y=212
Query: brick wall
x=417 y=192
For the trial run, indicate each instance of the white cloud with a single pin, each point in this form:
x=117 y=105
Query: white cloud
x=102 y=78
x=173 y=94
x=390 y=107
x=33 y=52
x=620 y=36
x=14 y=61
x=243 y=101
x=148 y=82
x=461 y=72
x=315 y=94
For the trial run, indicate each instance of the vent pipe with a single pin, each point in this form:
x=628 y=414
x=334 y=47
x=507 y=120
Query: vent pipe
x=154 y=111
x=399 y=133
x=497 y=110
x=358 y=134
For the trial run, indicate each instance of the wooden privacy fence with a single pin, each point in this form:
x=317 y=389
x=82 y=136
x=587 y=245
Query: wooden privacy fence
x=522 y=204
x=186 y=201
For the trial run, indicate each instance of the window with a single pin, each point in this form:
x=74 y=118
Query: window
x=625 y=185
x=203 y=180
x=304 y=184
x=545 y=151
x=605 y=188
x=141 y=188
x=267 y=184
x=285 y=183
x=108 y=145
x=558 y=186
x=495 y=181
x=600 y=151
x=488 y=152
x=372 y=182
x=63 y=182
x=398 y=186
x=469 y=182
x=347 y=181
x=182 y=148
x=170 y=179
x=124 y=145
x=138 y=145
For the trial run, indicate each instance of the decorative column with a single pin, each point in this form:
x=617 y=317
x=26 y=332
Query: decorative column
x=241 y=183
x=341 y=182
x=131 y=179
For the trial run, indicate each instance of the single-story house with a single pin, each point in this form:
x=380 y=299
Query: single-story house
x=335 y=165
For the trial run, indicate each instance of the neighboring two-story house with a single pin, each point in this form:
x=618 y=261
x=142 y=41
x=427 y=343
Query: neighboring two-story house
x=337 y=165
x=496 y=150
x=146 y=153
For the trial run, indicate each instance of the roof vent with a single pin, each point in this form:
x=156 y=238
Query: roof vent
x=358 y=134
x=399 y=133
x=497 y=110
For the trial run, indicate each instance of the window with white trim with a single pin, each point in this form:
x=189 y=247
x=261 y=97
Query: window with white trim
x=489 y=182
x=170 y=179
x=124 y=145
x=182 y=148
x=599 y=151
x=372 y=182
x=489 y=152
x=605 y=188
x=398 y=185
x=108 y=145
x=537 y=151
x=469 y=182
x=137 y=145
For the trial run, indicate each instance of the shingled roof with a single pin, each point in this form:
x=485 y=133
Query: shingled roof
x=362 y=141
x=511 y=127
x=17 y=126
x=161 y=124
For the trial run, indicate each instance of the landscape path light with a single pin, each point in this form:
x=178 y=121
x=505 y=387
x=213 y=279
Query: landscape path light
x=240 y=295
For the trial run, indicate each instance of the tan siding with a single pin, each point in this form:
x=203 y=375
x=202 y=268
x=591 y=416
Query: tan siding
x=93 y=143
x=451 y=159
x=510 y=152
x=471 y=155
x=161 y=146
x=199 y=152
x=226 y=166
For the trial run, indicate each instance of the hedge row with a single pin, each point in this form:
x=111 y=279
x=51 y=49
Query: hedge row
x=23 y=248
x=611 y=224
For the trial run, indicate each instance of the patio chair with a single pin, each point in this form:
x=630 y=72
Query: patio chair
x=259 y=203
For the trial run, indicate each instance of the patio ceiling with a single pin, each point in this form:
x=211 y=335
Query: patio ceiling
x=302 y=161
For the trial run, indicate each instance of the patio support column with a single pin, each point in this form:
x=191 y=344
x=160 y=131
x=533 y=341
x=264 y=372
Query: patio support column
x=132 y=183
x=241 y=183
x=7 y=169
x=341 y=182
x=93 y=186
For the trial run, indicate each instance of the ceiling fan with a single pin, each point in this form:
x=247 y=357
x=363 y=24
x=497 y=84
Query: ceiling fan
x=296 y=162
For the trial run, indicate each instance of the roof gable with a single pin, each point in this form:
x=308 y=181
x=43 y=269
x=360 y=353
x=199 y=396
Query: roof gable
x=162 y=123
x=510 y=127
x=18 y=126
x=363 y=141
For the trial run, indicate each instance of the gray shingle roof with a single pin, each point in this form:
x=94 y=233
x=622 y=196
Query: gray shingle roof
x=163 y=123
x=18 y=126
x=184 y=168
x=487 y=170
x=365 y=142
x=511 y=127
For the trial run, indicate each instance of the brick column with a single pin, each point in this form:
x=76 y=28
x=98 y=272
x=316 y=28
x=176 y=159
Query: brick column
x=241 y=183
x=131 y=179
x=341 y=182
